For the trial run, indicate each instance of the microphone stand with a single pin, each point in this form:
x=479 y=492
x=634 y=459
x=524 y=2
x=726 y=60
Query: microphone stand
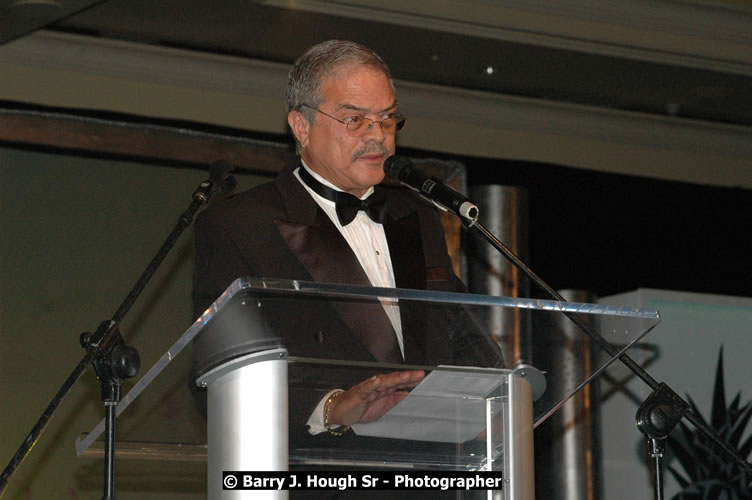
x=663 y=408
x=113 y=360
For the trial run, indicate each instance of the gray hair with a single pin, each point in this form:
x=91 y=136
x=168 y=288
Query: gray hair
x=321 y=61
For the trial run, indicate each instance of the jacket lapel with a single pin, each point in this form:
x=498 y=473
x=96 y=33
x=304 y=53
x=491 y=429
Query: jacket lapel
x=406 y=250
x=327 y=257
x=322 y=250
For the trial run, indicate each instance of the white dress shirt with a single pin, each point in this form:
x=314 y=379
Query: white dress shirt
x=368 y=241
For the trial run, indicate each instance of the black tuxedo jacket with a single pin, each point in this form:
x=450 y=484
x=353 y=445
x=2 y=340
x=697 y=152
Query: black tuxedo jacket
x=277 y=230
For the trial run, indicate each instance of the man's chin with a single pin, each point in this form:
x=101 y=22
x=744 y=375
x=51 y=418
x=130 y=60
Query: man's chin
x=375 y=177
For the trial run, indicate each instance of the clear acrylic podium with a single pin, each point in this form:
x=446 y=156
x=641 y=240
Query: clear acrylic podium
x=261 y=391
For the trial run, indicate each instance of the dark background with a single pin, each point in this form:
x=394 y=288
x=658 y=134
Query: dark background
x=609 y=233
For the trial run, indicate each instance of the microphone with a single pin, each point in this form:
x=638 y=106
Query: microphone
x=403 y=170
x=220 y=180
x=220 y=177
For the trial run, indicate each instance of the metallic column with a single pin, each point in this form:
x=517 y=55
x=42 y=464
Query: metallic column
x=568 y=444
x=503 y=211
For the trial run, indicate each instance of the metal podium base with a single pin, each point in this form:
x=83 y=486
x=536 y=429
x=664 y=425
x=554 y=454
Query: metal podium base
x=247 y=420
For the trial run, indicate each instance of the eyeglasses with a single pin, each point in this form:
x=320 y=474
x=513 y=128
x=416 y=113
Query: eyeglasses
x=358 y=125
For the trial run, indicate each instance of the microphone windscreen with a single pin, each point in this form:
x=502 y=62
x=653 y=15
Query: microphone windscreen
x=394 y=166
x=219 y=170
x=229 y=184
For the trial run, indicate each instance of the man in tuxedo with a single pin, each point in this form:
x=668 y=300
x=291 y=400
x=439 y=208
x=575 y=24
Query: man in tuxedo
x=327 y=219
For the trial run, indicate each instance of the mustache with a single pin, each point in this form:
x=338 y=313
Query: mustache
x=370 y=148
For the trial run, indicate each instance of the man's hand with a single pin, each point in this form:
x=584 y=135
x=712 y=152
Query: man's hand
x=372 y=398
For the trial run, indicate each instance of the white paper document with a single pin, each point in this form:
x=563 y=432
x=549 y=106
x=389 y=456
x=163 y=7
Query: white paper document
x=447 y=406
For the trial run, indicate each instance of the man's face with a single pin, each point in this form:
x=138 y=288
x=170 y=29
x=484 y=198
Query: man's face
x=351 y=163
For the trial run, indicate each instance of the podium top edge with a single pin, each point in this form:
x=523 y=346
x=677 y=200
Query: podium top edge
x=270 y=286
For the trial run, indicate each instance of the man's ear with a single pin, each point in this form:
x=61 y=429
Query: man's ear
x=299 y=126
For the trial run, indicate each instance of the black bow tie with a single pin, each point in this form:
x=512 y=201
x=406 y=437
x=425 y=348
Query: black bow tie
x=347 y=205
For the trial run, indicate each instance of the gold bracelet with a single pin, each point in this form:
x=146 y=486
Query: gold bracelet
x=327 y=411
